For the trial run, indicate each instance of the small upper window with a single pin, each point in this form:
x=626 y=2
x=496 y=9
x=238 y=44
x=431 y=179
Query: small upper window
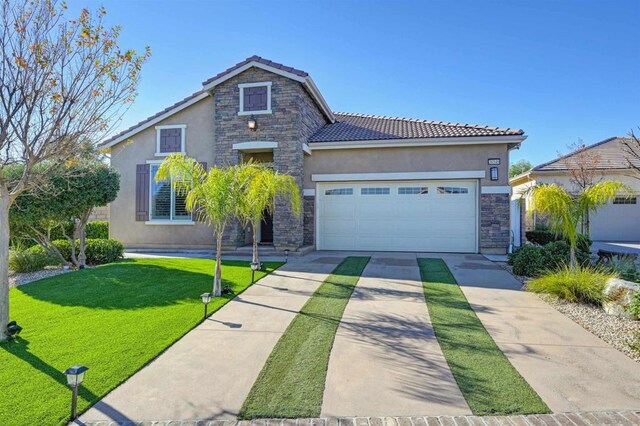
x=255 y=98
x=339 y=191
x=170 y=139
x=413 y=190
x=625 y=200
x=374 y=191
x=452 y=190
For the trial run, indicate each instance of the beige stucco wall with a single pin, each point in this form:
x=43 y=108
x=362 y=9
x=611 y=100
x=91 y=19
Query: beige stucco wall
x=199 y=144
x=409 y=159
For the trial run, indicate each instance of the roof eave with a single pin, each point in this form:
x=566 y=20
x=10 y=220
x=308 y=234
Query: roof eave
x=399 y=143
x=145 y=125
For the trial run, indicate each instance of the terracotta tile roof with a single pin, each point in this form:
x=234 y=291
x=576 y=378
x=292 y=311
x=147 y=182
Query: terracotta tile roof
x=361 y=127
x=612 y=152
x=158 y=114
x=258 y=59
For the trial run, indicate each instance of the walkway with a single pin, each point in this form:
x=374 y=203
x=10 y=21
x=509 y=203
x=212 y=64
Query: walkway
x=209 y=372
x=570 y=368
x=386 y=360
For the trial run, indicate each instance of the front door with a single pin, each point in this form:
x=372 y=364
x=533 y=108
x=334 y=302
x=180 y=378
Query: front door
x=266 y=229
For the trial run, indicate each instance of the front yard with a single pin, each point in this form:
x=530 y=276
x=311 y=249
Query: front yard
x=114 y=319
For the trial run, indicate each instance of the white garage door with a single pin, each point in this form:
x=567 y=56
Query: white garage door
x=617 y=221
x=438 y=216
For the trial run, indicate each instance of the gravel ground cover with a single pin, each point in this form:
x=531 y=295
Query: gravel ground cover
x=16 y=279
x=621 y=333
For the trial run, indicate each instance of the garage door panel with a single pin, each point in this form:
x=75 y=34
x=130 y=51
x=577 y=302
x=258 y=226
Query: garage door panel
x=399 y=216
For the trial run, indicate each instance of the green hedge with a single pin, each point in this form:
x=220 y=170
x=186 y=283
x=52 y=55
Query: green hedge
x=544 y=237
x=98 y=251
x=531 y=260
x=98 y=230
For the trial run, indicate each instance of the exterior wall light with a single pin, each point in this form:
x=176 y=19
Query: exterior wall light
x=252 y=124
x=493 y=173
x=75 y=376
x=206 y=299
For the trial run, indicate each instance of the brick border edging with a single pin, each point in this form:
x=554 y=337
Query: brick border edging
x=561 y=419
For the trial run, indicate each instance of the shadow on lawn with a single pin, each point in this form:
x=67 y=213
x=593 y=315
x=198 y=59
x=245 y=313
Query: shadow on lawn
x=124 y=285
x=19 y=348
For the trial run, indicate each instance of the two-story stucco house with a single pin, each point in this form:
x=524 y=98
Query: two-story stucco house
x=368 y=182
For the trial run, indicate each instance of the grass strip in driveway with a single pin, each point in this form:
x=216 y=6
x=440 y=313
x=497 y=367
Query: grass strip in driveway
x=291 y=383
x=488 y=381
x=113 y=318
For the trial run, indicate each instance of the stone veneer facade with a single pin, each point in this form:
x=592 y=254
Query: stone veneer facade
x=495 y=232
x=293 y=120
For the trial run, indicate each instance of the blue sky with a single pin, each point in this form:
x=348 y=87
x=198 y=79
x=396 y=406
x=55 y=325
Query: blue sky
x=560 y=70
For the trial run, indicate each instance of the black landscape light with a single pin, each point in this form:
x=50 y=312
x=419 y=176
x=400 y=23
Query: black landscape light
x=206 y=299
x=13 y=329
x=255 y=266
x=75 y=376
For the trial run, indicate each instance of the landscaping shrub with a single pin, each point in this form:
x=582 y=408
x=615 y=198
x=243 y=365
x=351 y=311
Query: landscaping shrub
x=98 y=251
x=625 y=267
x=634 y=308
x=98 y=230
x=531 y=260
x=527 y=260
x=543 y=237
x=583 y=284
x=27 y=261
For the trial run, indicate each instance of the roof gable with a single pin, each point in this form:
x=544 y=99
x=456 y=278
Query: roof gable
x=612 y=152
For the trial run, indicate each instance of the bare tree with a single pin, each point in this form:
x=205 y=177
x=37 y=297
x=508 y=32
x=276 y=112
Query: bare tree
x=632 y=149
x=584 y=172
x=62 y=82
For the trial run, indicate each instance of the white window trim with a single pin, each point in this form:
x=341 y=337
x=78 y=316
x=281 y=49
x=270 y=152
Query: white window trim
x=163 y=221
x=182 y=141
x=242 y=86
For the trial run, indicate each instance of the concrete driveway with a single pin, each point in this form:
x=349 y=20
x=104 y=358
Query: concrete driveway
x=385 y=360
x=570 y=368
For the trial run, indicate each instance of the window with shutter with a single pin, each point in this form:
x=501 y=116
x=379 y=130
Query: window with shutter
x=164 y=203
x=142 y=192
x=170 y=139
x=255 y=98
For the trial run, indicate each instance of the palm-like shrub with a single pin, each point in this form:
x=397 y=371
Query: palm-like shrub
x=566 y=210
x=261 y=188
x=211 y=195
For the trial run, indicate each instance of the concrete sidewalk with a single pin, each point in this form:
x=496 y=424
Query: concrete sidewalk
x=570 y=368
x=386 y=360
x=209 y=372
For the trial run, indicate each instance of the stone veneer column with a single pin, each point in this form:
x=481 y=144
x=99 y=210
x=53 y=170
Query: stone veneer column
x=495 y=228
x=309 y=222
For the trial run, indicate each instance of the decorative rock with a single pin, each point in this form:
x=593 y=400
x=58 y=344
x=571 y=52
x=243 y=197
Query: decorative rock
x=619 y=295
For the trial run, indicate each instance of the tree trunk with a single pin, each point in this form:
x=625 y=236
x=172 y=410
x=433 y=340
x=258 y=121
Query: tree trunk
x=586 y=224
x=4 y=260
x=573 y=262
x=217 y=280
x=80 y=235
x=256 y=258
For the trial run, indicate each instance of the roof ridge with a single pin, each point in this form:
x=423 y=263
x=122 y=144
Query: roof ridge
x=421 y=120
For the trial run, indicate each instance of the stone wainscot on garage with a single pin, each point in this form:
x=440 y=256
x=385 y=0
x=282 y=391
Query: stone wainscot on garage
x=368 y=182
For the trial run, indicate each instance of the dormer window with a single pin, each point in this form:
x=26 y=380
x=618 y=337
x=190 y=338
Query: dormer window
x=170 y=139
x=255 y=98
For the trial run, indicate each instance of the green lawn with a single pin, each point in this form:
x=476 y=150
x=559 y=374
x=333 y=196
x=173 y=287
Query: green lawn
x=291 y=383
x=114 y=319
x=488 y=381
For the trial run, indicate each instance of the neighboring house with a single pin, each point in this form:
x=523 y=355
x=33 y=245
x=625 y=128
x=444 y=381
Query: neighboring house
x=619 y=220
x=368 y=182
